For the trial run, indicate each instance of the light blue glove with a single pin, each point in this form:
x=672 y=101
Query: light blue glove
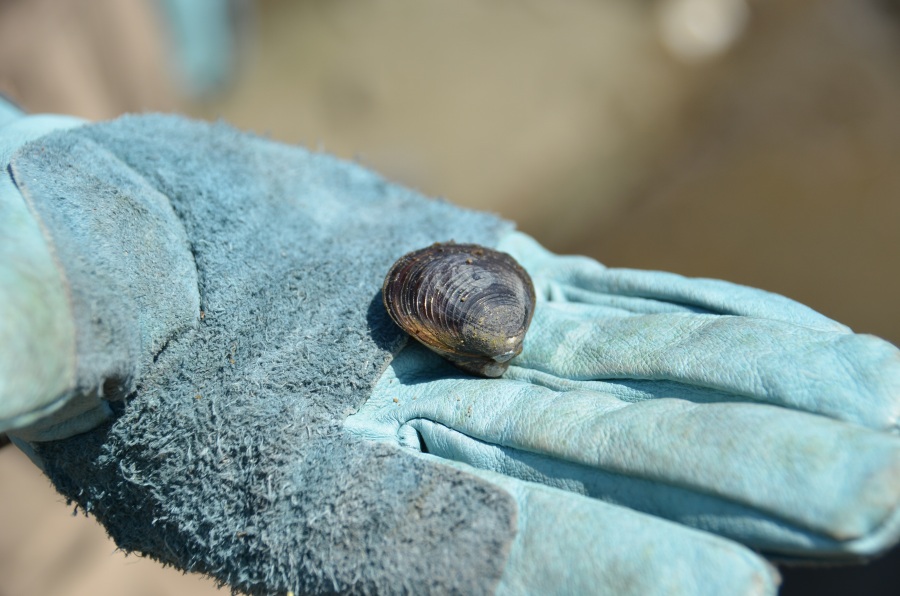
x=639 y=396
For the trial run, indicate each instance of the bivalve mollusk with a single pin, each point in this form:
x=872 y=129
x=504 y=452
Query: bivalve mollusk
x=470 y=304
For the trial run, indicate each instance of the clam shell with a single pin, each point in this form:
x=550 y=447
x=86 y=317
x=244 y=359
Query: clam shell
x=470 y=304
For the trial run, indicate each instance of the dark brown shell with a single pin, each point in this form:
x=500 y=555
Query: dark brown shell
x=470 y=304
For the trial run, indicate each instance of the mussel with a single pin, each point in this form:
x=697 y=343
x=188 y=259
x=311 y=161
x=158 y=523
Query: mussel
x=470 y=304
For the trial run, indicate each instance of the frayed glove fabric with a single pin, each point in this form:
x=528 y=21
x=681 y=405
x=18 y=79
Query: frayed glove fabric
x=228 y=288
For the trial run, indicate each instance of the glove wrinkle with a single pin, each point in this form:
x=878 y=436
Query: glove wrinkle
x=581 y=279
x=778 y=363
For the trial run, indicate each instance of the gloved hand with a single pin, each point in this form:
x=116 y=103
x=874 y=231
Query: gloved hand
x=226 y=290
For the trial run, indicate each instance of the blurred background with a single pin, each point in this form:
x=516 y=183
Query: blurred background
x=749 y=140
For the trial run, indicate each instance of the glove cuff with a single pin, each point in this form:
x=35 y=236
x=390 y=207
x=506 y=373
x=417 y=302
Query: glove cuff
x=37 y=332
x=116 y=283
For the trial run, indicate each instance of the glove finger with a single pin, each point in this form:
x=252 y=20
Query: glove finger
x=760 y=501
x=569 y=544
x=776 y=479
x=850 y=377
x=584 y=280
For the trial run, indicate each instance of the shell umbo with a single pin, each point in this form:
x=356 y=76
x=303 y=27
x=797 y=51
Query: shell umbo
x=470 y=304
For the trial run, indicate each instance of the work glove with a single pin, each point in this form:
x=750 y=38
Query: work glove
x=243 y=406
